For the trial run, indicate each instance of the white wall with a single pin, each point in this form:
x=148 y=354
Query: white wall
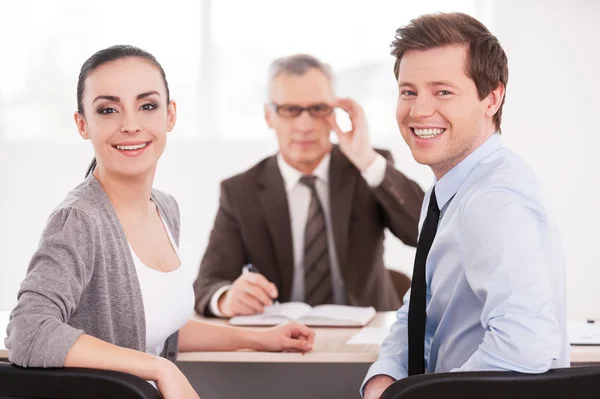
x=553 y=96
x=551 y=119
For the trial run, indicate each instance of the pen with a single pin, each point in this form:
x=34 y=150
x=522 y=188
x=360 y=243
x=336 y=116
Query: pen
x=250 y=268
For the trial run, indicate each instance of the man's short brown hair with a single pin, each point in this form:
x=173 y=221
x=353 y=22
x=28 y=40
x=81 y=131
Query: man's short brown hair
x=487 y=63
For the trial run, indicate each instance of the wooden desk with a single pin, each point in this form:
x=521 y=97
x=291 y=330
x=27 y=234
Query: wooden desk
x=333 y=369
x=585 y=354
x=331 y=347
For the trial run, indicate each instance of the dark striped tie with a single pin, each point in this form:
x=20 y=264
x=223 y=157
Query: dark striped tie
x=317 y=273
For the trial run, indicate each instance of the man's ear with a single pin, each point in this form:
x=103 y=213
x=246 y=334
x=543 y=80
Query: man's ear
x=269 y=115
x=494 y=100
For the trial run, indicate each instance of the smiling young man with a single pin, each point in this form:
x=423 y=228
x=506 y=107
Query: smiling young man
x=488 y=283
x=311 y=218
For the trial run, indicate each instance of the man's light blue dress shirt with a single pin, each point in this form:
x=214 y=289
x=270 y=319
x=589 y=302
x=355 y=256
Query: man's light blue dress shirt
x=495 y=274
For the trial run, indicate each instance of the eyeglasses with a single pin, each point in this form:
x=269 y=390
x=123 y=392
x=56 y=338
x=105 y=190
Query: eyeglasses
x=291 y=111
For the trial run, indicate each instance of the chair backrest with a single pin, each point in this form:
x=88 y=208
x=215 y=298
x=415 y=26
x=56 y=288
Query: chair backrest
x=401 y=282
x=71 y=383
x=576 y=382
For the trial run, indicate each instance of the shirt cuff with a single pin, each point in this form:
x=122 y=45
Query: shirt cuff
x=375 y=172
x=383 y=367
x=214 y=301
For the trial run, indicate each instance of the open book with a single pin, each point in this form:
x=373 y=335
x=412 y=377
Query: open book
x=322 y=315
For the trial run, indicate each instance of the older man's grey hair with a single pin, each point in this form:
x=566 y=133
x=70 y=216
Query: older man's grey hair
x=297 y=64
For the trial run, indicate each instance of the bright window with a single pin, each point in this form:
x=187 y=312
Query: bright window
x=216 y=61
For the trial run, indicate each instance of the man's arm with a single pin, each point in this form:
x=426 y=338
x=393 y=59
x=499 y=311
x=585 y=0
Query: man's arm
x=393 y=356
x=221 y=289
x=503 y=235
x=224 y=257
x=400 y=199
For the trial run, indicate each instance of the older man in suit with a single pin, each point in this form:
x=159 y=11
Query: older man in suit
x=311 y=218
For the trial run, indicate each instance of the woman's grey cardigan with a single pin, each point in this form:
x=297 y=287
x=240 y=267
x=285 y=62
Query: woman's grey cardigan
x=82 y=279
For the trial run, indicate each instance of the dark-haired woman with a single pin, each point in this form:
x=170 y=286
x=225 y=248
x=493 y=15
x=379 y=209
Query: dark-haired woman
x=105 y=288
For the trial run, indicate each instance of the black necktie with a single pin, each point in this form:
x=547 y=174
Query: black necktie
x=416 y=308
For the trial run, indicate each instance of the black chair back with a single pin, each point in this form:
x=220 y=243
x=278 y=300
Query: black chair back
x=576 y=382
x=71 y=383
x=401 y=282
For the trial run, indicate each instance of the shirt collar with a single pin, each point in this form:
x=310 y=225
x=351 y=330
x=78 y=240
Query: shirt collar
x=291 y=176
x=448 y=185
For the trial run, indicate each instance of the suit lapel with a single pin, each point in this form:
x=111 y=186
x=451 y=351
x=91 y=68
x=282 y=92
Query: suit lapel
x=341 y=196
x=273 y=200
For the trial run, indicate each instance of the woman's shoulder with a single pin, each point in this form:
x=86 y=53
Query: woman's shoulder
x=76 y=223
x=165 y=202
x=168 y=207
x=86 y=199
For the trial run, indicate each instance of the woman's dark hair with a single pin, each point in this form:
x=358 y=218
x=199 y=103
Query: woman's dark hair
x=109 y=54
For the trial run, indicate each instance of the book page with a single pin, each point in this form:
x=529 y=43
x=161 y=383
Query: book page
x=291 y=310
x=275 y=314
x=339 y=315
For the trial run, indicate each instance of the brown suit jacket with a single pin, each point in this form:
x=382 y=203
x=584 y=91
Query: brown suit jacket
x=253 y=226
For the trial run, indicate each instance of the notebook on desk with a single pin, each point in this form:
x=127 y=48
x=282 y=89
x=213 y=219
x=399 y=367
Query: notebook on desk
x=318 y=316
x=583 y=333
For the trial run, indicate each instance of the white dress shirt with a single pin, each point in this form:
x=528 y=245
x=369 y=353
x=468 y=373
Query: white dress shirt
x=298 y=197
